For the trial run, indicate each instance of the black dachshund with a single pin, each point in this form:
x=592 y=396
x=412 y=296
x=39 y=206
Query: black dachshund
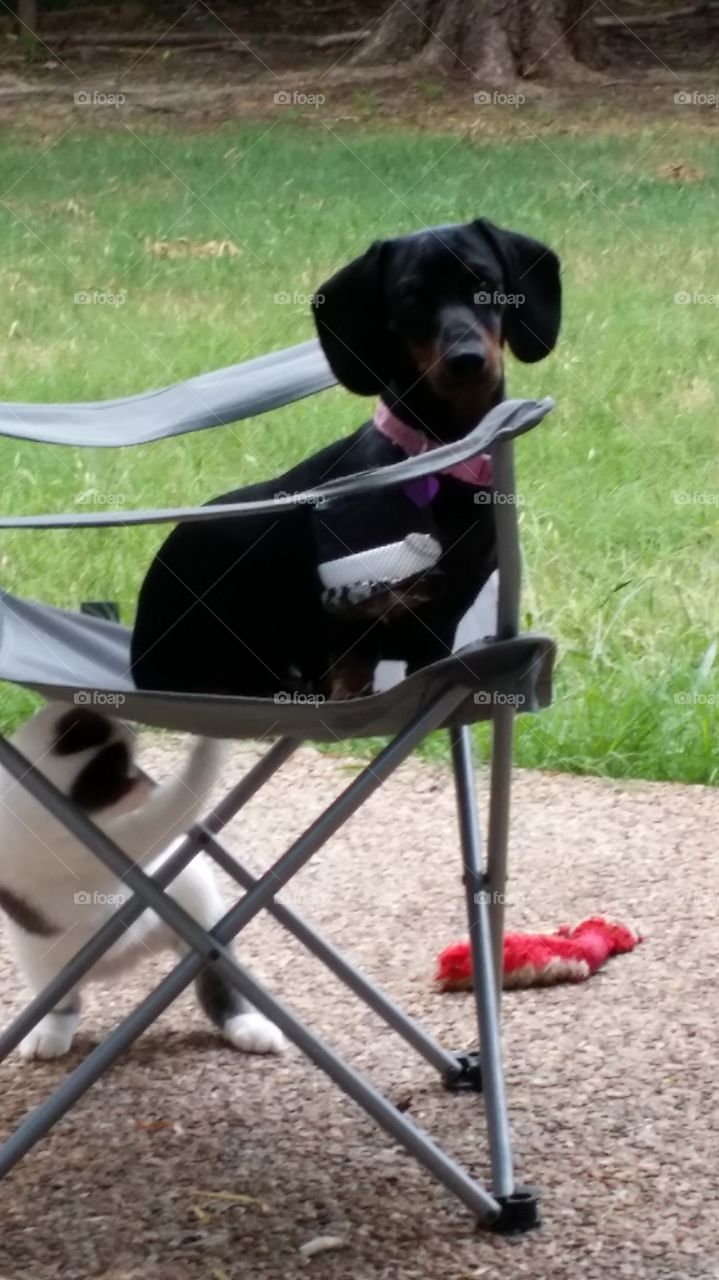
x=238 y=606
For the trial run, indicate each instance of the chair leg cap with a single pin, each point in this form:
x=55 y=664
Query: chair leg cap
x=467 y=1076
x=519 y=1212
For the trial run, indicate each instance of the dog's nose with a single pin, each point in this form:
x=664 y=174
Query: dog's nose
x=465 y=362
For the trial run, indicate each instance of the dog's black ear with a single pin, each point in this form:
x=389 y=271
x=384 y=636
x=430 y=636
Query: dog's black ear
x=531 y=326
x=349 y=315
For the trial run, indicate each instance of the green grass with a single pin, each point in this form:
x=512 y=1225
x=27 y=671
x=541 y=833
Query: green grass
x=616 y=569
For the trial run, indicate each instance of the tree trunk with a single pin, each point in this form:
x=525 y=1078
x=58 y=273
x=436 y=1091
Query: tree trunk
x=583 y=33
x=495 y=40
x=27 y=16
x=556 y=35
x=445 y=35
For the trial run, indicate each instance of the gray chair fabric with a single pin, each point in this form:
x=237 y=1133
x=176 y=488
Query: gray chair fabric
x=86 y=660
x=209 y=400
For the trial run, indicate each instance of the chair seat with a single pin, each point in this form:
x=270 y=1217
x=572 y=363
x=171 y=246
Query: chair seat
x=79 y=658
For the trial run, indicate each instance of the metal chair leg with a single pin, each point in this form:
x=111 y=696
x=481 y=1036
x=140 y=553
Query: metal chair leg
x=500 y=785
x=519 y=1203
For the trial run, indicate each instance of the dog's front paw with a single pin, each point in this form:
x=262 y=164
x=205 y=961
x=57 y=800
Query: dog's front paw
x=254 y=1033
x=52 y=1038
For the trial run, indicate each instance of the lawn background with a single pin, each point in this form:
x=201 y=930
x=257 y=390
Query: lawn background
x=619 y=566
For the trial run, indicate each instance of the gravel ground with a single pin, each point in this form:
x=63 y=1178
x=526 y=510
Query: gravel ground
x=612 y=1084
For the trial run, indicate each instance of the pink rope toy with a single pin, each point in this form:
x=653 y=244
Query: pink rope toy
x=542 y=959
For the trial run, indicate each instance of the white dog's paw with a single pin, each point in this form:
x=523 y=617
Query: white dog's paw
x=254 y=1033
x=51 y=1038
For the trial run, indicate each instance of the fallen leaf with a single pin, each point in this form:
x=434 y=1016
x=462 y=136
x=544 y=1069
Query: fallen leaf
x=680 y=171
x=322 y=1244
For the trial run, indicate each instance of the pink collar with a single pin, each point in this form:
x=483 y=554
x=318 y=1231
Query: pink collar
x=476 y=471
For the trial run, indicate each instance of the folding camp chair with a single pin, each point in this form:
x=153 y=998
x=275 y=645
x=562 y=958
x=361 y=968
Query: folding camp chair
x=76 y=657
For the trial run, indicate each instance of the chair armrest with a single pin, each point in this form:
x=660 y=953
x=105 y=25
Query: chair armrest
x=208 y=400
x=501 y=424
